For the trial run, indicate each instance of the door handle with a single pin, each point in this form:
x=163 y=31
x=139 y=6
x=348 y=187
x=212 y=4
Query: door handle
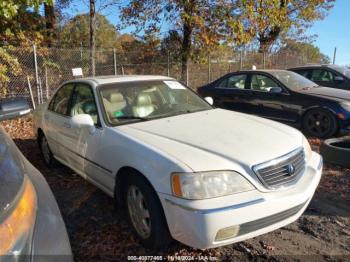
x=67 y=125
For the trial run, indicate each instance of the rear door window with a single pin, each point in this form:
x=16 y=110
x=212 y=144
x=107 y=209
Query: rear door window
x=322 y=75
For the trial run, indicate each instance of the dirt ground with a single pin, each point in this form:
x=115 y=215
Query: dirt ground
x=99 y=232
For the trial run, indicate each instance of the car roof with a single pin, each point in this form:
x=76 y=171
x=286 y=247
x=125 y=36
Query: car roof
x=260 y=70
x=314 y=66
x=101 y=80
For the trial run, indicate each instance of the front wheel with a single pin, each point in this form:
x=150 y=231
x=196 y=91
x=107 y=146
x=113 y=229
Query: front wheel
x=49 y=159
x=145 y=213
x=320 y=123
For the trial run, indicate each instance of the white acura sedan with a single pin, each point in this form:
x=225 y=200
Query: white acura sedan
x=182 y=169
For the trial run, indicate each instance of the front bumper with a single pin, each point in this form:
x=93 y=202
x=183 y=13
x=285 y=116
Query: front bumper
x=196 y=223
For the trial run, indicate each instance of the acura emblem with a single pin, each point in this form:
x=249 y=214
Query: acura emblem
x=290 y=169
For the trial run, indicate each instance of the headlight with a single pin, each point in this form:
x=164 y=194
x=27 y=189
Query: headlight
x=212 y=184
x=345 y=105
x=17 y=227
x=307 y=148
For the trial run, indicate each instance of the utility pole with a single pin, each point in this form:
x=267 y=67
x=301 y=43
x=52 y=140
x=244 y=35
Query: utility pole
x=334 y=55
x=92 y=36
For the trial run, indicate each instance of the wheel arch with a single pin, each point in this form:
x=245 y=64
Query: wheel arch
x=121 y=177
x=326 y=108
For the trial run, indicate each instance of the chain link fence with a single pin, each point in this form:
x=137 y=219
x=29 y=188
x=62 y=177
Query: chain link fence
x=41 y=70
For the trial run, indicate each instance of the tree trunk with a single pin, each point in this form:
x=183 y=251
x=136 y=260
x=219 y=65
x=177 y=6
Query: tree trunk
x=92 y=37
x=189 y=7
x=50 y=23
x=186 y=50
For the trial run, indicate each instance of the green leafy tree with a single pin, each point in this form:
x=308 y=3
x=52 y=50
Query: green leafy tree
x=267 y=20
x=20 y=24
x=76 y=32
x=307 y=51
x=200 y=23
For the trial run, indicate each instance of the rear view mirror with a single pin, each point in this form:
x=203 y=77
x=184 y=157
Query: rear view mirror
x=210 y=100
x=13 y=107
x=83 y=120
x=276 y=90
x=339 y=78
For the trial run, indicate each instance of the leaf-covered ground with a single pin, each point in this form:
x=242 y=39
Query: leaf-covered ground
x=98 y=232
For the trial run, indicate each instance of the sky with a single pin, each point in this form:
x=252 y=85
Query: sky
x=333 y=31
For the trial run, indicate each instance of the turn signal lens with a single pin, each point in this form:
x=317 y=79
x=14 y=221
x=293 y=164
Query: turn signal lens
x=18 y=225
x=176 y=185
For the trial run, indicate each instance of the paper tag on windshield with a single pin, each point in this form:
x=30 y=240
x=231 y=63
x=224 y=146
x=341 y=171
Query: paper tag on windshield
x=174 y=85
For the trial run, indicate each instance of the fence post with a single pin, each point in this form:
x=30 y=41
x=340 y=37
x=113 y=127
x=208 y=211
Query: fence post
x=285 y=60
x=36 y=73
x=115 y=61
x=187 y=72
x=168 y=63
x=31 y=92
x=209 y=68
x=81 y=52
x=241 y=60
x=46 y=84
x=264 y=60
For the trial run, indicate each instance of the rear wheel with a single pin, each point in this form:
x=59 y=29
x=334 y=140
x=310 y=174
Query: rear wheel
x=320 y=123
x=49 y=160
x=145 y=212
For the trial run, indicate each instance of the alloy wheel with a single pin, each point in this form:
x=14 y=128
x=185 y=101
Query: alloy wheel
x=45 y=150
x=319 y=124
x=138 y=211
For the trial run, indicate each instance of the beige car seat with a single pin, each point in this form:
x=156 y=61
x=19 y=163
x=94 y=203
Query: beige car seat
x=115 y=103
x=143 y=106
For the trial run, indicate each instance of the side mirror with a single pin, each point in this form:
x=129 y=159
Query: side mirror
x=276 y=90
x=209 y=99
x=83 y=121
x=13 y=107
x=339 y=78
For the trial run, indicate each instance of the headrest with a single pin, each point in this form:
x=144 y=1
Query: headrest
x=143 y=100
x=116 y=98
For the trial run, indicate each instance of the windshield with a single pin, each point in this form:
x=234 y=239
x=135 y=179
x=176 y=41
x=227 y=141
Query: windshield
x=342 y=70
x=293 y=80
x=146 y=100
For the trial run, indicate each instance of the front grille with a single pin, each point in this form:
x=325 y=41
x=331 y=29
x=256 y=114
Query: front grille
x=268 y=221
x=281 y=171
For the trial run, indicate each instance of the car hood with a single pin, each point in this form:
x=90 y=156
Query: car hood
x=217 y=138
x=11 y=172
x=332 y=93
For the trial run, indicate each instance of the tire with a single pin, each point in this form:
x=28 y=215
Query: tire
x=48 y=157
x=145 y=213
x=336 y=151
x=320 y=123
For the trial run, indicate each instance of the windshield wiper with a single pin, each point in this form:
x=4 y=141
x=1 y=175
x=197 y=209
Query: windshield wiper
x=309 y=87
x=133 y=118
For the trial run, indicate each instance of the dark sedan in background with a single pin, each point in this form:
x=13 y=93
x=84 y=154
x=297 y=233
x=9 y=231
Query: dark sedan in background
x=326 y=75
x=31 y=225
x=283 y=96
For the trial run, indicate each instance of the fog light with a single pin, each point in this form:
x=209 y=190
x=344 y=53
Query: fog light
x=226 y=233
